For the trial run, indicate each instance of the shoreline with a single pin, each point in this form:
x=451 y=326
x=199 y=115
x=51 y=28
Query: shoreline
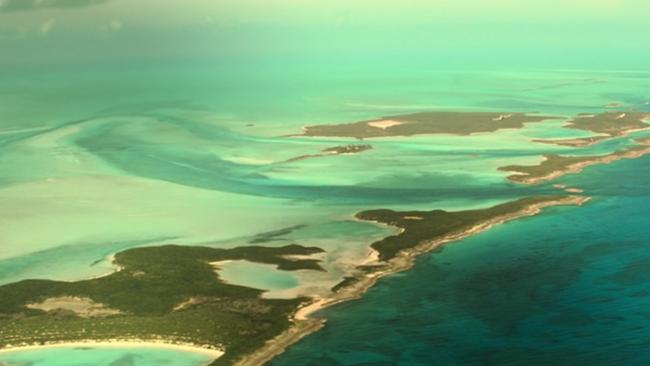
x=213 y=353
x=304 y=324
x=518 y=177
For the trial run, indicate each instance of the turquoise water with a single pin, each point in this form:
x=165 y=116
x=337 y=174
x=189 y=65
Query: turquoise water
x=100 y=176
x=121 y=126
x=257 y=275
x=98 y=356
x=174 y=159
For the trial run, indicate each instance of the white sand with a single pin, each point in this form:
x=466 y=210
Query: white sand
x=82 y=306
x=211 y=352
x=384 y=124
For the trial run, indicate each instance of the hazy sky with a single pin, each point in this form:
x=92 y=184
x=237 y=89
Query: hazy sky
x=40 y=30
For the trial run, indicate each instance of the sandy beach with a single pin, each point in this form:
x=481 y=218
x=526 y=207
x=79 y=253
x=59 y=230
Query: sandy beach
x=116 y=343
x=305 y=324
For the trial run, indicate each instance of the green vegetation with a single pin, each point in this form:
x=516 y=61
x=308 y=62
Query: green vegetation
x=458 y=123
x=347 y=149
x=336 y=150
x=551 y=164
x=555 y=165
x=423 y=226
x=347 y=281
x=169 y=292
x=610 y=123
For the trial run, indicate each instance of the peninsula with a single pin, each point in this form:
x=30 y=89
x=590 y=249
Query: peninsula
x=554 y=166
x=421 y=232
x=173 y=295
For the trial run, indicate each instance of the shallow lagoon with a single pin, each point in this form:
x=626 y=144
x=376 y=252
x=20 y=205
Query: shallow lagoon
x=103 y=356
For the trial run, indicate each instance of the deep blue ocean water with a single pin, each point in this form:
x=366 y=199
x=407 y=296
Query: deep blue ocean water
x=570 y=287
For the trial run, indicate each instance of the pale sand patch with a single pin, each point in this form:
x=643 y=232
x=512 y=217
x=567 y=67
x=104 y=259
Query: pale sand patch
x=385 y=123
x=299 y=257
x=413 y=218
x=189 y=303
x=502 y=117
x=372 y=258
x=116 y=268
x=81 y=306
x=206 y=350
x=574 y=190
x=614 y=105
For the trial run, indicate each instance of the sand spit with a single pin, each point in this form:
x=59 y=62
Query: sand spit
x=578 y=167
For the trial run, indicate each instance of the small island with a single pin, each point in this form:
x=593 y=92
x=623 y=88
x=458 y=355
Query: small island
x=607 y=125
x=554 y=166
x=456 y=123
x=336 y=150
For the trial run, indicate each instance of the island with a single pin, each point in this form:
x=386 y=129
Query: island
x=456 y=123
x=607 y=125
x=554 y=166
x=336 y=150
x=421 y=227
x=420 y=232
x=173 y=294
x=169 y=294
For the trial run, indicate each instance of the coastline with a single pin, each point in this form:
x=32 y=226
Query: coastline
x=576 y=168
x=116 y=267
x=303 y=322
x=213 y=353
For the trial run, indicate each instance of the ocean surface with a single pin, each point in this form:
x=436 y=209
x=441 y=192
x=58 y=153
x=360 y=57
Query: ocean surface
x=189 y=154
x=570 y=287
